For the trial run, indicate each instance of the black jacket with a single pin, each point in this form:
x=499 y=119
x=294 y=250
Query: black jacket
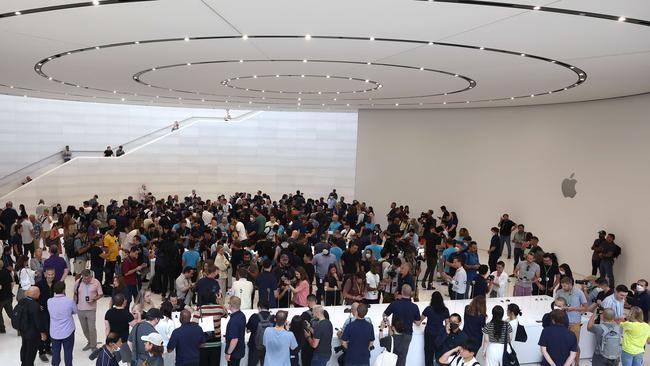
x=35 y=324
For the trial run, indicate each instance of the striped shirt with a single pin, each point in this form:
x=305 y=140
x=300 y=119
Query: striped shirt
x=489 y=329
x=217 y=312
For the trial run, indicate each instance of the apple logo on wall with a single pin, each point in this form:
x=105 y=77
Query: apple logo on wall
x=569 y=186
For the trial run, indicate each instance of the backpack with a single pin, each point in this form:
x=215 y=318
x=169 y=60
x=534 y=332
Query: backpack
x=19 y=316
x=610 y=343
x=261 y=327
x=68 y=246
x=617 y=251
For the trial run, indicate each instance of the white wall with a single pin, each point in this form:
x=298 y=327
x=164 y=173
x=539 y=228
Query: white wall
x=488 y=161
x=277 y=152
x=33 y=128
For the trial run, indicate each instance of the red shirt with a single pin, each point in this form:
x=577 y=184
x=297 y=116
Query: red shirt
x=127 y=266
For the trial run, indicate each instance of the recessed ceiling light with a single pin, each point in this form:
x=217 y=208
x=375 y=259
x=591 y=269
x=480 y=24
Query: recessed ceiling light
x=367 y=81
x=241 y=61
x=96 y=47
x=421 y=68
x=189 y=64
x=621 y=19
x=254 y=76
x=444 y=102
x=123 y=99
x=250 y=102
x=430 y=43
x=244 y=37
x=137 y=42
x=154 y=69
x=263 y=91
x=522 y=54
x=467 y=101
x=17 y=13
x=420 y=103
x=323 y=104
x=482 y=48
x=379 y=86
x=68 y=53
x=537 y=7
x=304 y=60
x=334 y=99
x=511 y=98
x=456 y=75
x=532 y=95
x=114 y=91
x=50 y=78
x=302 y=76
x=277 y=76
x=308 y=37
x=11 y=86
x=368 y=63
x=327 y=76
x=157 y=96
x=372 y=38
x=49 y=58
x=572 y=67
x=186 y=39
x=338 y=92
x=396 y=104
x=95 y=2
x=319 y=93
x=299 y=98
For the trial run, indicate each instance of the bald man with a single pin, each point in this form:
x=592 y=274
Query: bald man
x=405 y=310
x=32 y=331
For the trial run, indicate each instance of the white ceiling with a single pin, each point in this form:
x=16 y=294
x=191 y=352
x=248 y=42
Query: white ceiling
x=614 y=55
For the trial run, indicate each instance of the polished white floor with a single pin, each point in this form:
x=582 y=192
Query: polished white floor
x=10 y=342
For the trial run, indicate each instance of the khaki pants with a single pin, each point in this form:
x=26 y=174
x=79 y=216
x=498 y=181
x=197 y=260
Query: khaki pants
x=88 y=326
x=575 y=328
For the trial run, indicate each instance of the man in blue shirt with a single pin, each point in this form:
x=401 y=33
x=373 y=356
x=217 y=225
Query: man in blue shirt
x=208 y=282
x=357 y=338
x=558 y=344
x=335 y=224
x=191 y=257
x=267 y=285
x=235 y=331
x=186 y=340
x=278 y=342
x=405 y=310
x=374 y=246
x=616 y=301
x=471 y=261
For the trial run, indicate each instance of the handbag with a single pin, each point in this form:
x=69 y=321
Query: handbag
x=521 y=335
x=509 y=358
x=386 y=357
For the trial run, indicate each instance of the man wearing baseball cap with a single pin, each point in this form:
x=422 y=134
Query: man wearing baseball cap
x=153 y=344
x=596 y=248
x=145 y=327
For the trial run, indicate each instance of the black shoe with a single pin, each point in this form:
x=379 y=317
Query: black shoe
x=508 y=257
x=43 y=357
x=424 y=285
x=3 y=331
x=430 y=287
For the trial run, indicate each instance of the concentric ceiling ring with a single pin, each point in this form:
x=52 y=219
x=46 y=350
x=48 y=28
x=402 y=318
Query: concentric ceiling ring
x=470 y=82
x=228 y=83
x=581 y=76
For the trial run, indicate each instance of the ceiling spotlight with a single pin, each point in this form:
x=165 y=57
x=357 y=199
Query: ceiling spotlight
x=254 y=76
x=430 y=43
x=95 y=2
x=444 y=102
x=186 y=39
x=621 y=19
x=308 y=37
x=334 y=99
x=421 y=68
x=304 y=60
x=114 y=91
x=367 y=81
x=11 y=86
x=537 y=7
x=372 y=38
x=123 y=99
x=512 y=98
x=96 y=47
x=532 y=95
x=368 y=63
x=482 y=48
x=68 y=53
x=302 y=76
x=250 y=102
x=327 y=76
x=189 y=64
x=154 y=69
x=50 y=78
x=17 y=13
x=244 y=37
x=522 y=54
x=455 y=75
x=396 y=104
x=263 y=91
x=323 y=104
x=240 y=61
x=319 y=93
x=299 y=99
x=379 y=86
x=137 y=42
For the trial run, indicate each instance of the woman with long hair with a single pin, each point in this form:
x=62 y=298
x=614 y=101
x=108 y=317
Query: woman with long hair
x=435 y=314
x=332 y=286
x=119 y=287
x=636 y=334
x=153 y=345
x=298 y=329
x=395 y=341
x=145 y=301
x=301 y=289
x=495 y=334
x=474 y=319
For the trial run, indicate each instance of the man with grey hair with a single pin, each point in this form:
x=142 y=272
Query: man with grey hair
x=608 y=338
x=87 y=291
x=320 y=337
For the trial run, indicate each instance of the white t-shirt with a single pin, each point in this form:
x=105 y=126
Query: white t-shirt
x=26 y=234
x=46 y=222
x=460 y=281
x=243 y=289
x=241 y=230
x=165 y=327
x=502 y=281
x=373 y=281
x=206 y=216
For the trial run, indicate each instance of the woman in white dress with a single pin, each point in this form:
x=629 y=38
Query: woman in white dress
x=495 y=334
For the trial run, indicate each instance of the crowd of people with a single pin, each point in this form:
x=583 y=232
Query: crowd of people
x=211 y=259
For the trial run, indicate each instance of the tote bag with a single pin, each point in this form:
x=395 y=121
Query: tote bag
x=386 y=357
x=509 y=357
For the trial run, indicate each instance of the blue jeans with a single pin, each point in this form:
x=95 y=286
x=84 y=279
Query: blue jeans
x=319 y=360
x=631 y=360
x=68 y=345
x=133 y=290
x=505 y=239
x=607 y=270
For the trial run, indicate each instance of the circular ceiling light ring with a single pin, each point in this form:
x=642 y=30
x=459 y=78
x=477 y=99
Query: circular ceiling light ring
x=228 y=83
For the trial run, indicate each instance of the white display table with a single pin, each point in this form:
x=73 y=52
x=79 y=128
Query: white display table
x=532 y=307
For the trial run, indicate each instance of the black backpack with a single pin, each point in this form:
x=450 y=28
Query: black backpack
x=617 y=251
x=19 y=316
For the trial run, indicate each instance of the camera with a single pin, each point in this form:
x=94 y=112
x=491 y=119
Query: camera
x=490 y=278
x=453 y=327
x=392 y=273
x=582 y=282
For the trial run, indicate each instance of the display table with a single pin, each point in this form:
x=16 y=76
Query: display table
x=532 y=307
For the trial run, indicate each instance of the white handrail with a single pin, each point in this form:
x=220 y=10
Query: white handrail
x=186 y=122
